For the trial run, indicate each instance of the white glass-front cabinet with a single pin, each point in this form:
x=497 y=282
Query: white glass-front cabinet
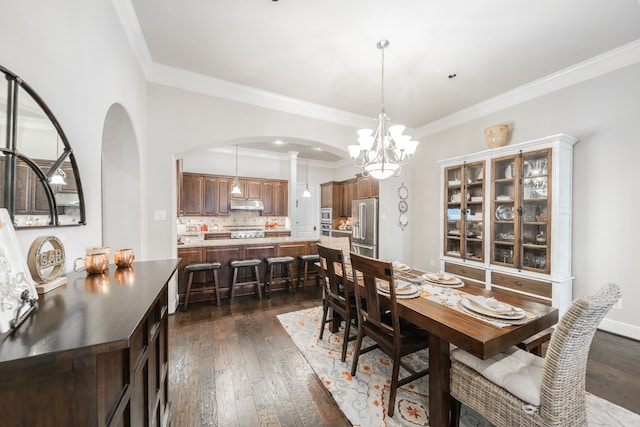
x=512 y=233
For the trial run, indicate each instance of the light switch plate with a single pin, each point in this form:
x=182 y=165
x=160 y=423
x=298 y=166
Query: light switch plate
x=159 y=215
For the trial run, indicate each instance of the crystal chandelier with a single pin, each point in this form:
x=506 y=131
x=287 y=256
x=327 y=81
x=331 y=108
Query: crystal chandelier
x=382 y=152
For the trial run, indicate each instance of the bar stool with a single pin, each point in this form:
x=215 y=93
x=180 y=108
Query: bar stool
x=246 y=263
x=305 y=264
x=283 y=276
x=191 y=269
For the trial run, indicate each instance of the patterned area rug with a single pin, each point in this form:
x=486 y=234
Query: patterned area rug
x=364 y=398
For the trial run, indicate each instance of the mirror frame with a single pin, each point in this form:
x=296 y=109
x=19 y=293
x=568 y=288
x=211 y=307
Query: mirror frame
x=12 y=153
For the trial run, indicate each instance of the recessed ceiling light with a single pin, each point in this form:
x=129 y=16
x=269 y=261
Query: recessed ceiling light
x=278 y=142
x=317 y=148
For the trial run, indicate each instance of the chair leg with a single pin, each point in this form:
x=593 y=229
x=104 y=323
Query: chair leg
x=455 y=412
x=325 y=310
x=216 y=283
x=268 y=278
x=186 y=298
x=289 y=268
x=356 y=352
x=394 y=385
x=345 y=342
x=258 y=290
x=306 y=275
x=233 y=284
x=298 y=268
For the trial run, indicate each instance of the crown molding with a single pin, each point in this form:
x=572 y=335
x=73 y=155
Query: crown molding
x=199 y=83
x=131 y=25
x=612 y=60
x=607 y=62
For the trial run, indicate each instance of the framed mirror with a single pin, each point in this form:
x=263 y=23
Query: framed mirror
x=39 y=180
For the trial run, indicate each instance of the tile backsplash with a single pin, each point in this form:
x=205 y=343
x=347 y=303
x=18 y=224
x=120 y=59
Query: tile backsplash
x=236 y=219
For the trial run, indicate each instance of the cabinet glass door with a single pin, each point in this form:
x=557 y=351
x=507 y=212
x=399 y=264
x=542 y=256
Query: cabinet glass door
x=521 y=211
x=474 y=217
x=464 y=191
x=503 y=211
x=536 y=209
x=453 y=211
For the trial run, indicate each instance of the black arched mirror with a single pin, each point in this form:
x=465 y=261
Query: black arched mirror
x=39 y=180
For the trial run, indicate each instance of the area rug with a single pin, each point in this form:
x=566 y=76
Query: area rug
x=364 y=398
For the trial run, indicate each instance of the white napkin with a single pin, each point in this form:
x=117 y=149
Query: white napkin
x=495 y=305
x=399 y=266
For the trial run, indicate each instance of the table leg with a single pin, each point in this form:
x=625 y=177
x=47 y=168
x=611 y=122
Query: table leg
x=439 y=392
x=335 y=324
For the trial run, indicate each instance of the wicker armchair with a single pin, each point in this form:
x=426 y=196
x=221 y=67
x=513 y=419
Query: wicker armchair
x=555 y=385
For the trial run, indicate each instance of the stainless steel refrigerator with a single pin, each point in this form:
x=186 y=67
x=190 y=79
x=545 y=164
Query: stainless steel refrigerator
x=364 y=227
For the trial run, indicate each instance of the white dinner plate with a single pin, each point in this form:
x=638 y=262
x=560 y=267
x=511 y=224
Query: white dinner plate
x=468 y=304
x=402 y=288
x=508 y=172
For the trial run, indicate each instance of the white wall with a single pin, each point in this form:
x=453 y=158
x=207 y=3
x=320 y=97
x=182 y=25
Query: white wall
x=603 y=114
x=77 y=58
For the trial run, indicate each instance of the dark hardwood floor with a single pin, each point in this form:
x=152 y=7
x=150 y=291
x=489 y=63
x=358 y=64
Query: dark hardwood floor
x=236 y=366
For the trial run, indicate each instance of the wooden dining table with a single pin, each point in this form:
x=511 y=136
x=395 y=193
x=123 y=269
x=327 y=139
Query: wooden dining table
x=447 y=325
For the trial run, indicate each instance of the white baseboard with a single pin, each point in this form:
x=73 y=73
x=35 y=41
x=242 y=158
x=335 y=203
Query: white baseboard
x=619 y=328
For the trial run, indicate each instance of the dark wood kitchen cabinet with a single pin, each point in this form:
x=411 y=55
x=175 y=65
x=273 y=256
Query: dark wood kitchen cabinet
x=192 y=194
x=94 y=353
x=367 y=187
x=216 y=195
x=275 y=196
x=250 y=189
x=31 y=196
x=204 y=195
x=209 y=195
x=346 y=192
x=330 y=195
x=280 y=198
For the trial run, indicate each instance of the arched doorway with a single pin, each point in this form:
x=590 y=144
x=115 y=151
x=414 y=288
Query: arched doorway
x=121 y=183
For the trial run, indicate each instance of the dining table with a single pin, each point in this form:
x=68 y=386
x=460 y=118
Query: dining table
x=449 y=325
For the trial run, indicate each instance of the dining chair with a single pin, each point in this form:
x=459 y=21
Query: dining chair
x=336 y=296
x=393 y=336
x=342 y=243
x=517 y=388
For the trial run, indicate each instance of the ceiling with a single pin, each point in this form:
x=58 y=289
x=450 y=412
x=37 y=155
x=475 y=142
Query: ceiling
x=324 y=52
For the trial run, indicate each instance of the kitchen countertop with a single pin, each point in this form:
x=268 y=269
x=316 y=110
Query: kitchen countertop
x=256 y=241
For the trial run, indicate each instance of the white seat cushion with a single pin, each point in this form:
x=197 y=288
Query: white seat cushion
x=517 y=371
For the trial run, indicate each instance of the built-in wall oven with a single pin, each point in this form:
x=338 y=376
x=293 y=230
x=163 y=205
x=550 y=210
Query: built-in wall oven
x=325 y=221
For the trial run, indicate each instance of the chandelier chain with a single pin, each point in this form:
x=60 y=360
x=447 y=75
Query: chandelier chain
x=382 y=81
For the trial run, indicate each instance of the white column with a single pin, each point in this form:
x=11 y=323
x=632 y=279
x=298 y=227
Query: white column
x=293 y=181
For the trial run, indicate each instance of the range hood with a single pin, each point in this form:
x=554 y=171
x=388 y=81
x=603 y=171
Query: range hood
x=246 y=205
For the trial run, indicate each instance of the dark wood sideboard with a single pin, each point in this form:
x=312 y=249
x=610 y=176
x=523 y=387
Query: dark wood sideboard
x=94 y=353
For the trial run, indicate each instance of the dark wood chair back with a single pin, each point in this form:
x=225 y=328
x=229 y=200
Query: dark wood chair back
x=332 y=262
x=370 y=272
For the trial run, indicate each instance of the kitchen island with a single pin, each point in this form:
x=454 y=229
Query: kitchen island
x=226 y=250
x=94 y=352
